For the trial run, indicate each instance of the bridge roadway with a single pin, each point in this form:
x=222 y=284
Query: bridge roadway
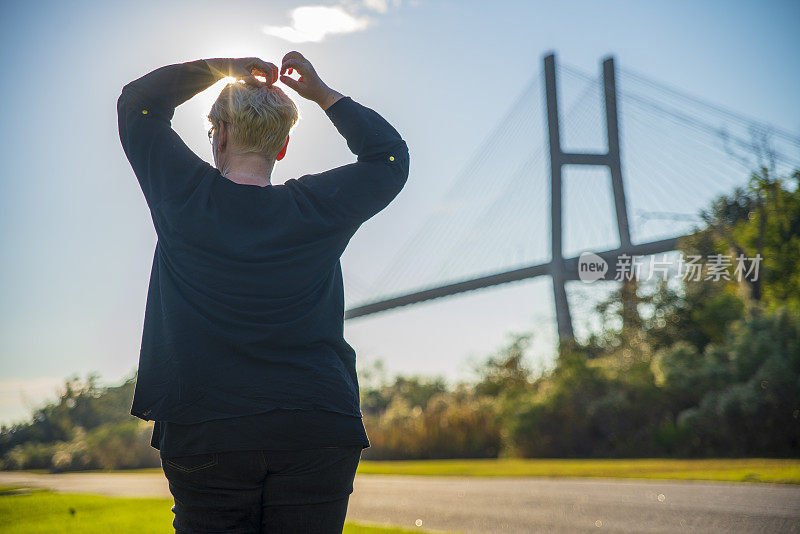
x=570 y=268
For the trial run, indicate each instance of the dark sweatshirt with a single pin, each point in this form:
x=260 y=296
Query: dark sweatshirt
x=245 y=305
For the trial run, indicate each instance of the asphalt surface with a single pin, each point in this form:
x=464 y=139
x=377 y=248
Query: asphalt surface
x=515 y=504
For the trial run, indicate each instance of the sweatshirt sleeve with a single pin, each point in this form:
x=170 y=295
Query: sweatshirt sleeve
x=351 y=194
x=161 y=161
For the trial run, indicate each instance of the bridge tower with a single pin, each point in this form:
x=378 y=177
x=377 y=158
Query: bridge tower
x=559 y=271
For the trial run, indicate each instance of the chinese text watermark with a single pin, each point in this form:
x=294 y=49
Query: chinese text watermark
x=713 y=267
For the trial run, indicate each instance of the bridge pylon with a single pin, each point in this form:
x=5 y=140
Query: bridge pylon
x=558 y=159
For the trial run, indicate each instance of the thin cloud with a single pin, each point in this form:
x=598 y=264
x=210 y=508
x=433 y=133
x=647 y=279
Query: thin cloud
x=314 y=23
x=381 y=6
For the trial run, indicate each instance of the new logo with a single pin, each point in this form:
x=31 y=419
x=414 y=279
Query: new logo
x=591 y=267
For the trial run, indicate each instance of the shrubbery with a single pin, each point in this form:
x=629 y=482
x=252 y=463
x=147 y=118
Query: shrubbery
x=89 y=427
x=740 y=397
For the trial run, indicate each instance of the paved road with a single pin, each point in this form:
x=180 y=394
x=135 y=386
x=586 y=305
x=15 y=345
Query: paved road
x=486 y=505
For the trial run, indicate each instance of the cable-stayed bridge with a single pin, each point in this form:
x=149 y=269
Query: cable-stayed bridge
x=615 y=164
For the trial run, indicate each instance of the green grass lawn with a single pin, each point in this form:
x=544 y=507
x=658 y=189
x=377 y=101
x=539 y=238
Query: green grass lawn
x=46 y=512
x=783 y=471
x=786 y=471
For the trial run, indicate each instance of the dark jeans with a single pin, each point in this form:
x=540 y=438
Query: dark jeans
x=262 y=491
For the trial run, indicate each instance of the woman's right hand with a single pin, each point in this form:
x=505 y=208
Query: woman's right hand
x=244 y=68
x=308 y=85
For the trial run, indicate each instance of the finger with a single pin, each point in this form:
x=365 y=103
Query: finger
x=268 y=76
x=291 y=82
x=261 y=64
x=269 y=70
x=295 y=64
x=294 y=54
x=273 y=73
x=252 y=81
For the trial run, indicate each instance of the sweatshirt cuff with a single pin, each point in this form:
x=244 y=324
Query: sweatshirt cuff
x=339 y=107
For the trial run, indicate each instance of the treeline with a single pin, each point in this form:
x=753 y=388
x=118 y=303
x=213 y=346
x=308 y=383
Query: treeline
x=739 y=397
x=707 y=367
x=88 y=427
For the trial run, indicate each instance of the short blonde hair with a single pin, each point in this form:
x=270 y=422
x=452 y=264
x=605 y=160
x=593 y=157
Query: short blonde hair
x=258 y=118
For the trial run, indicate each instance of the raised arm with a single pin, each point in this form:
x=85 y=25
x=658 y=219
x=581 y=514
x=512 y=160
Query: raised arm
x=350 y=194
x=162 y=162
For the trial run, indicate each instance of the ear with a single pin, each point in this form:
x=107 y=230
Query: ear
x=283 y=150
x=222 y=135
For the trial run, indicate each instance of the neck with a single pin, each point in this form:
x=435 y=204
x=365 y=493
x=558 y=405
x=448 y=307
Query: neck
x=249 y=169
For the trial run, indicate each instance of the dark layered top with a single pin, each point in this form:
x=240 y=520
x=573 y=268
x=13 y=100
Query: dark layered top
x=245 y=304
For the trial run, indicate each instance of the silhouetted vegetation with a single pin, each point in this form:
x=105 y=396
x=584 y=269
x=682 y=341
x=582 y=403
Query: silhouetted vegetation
x=88 y=427
x=708 y=368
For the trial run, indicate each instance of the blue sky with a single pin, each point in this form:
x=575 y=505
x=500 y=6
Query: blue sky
x=77 y=238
